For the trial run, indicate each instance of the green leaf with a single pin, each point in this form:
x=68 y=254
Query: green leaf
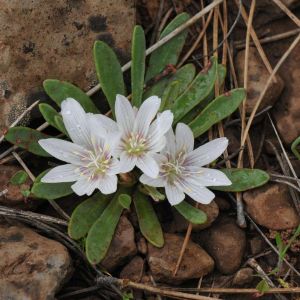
x=19 y=178
x=198 y=91
x=191 y=213
x=125 y=200
x=169 y=95
x=263 y=286
x=26 y=193
x=220 y=108
x=59 y=91
x=192 y=114
x=279 y=244
x=183 y=76
x=27 y=139
x=102 y=231
x=59 y=123
x=148 y=221
x=109 y=72
x=138 y=52
x=243 y=180
x=50 y=115
x=86 y=214
x=50 y=191
x=294 y=146
x=152 y=192
x=169 y=52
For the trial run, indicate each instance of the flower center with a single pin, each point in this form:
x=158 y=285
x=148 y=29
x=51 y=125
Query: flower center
x=97 y=164
x=173 y=168
x=135 y=144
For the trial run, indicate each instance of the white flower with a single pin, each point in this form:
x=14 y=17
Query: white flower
x=181 y=167
x=140 y=137
x=89 y=158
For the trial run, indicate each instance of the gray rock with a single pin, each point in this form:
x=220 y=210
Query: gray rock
x=55 y=42
x=271 y=206
x=243 y=276
x=226 y=243
x=162 y=261
x=32 y=267
x=122 y=247
x=287 y=110
x=134 y=270
x=257 y=79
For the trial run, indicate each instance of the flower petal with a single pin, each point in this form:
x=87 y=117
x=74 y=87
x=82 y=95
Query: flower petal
x=114 y=167
x=63 y=150
x=124 y=114
x=184 y=138
x=148 y=165
x=127 y=162
x=96 y=127
x=146 y=114
x=158 y=145
x=170 y=147
x=84 y=186
x=155 y=182
x=207 y=153
x=210 y=177
x=199 y=193
x=108 y=184
x=75 y=120
x=64 y=173
x=174 y=194
x=158 y=129
x=105 y=122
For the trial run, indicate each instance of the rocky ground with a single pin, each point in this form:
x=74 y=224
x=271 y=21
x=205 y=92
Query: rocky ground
x=39 y=262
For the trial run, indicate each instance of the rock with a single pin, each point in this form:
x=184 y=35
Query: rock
x=162 y=261
x=122 y=246
x=180 y=224
x=257 y=245
x=142 y=246
x=134 y=269
x=12 y=194
x=271 y=206
x=267 y=10
x=33 y=267
x=153 y=6
x=222 y=203
x=243 y=276
x=233 y=136
x=226 y=243
x=55 y=42
x=287 y=110
x=257 y=78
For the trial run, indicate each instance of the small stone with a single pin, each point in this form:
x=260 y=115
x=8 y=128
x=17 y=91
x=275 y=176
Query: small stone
x=266 y=11
x=286 y=111
x=134 y=270
x=11 y=195
x=142 y=246
x=243 y=276
x=257 y=245
x=226 y=243
x=271 y=206
x=122 y=246
x=222 y=203
x=32 y=267
x=257 y=79
x=162 y=261
x=180 y=224
x=233 y=136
